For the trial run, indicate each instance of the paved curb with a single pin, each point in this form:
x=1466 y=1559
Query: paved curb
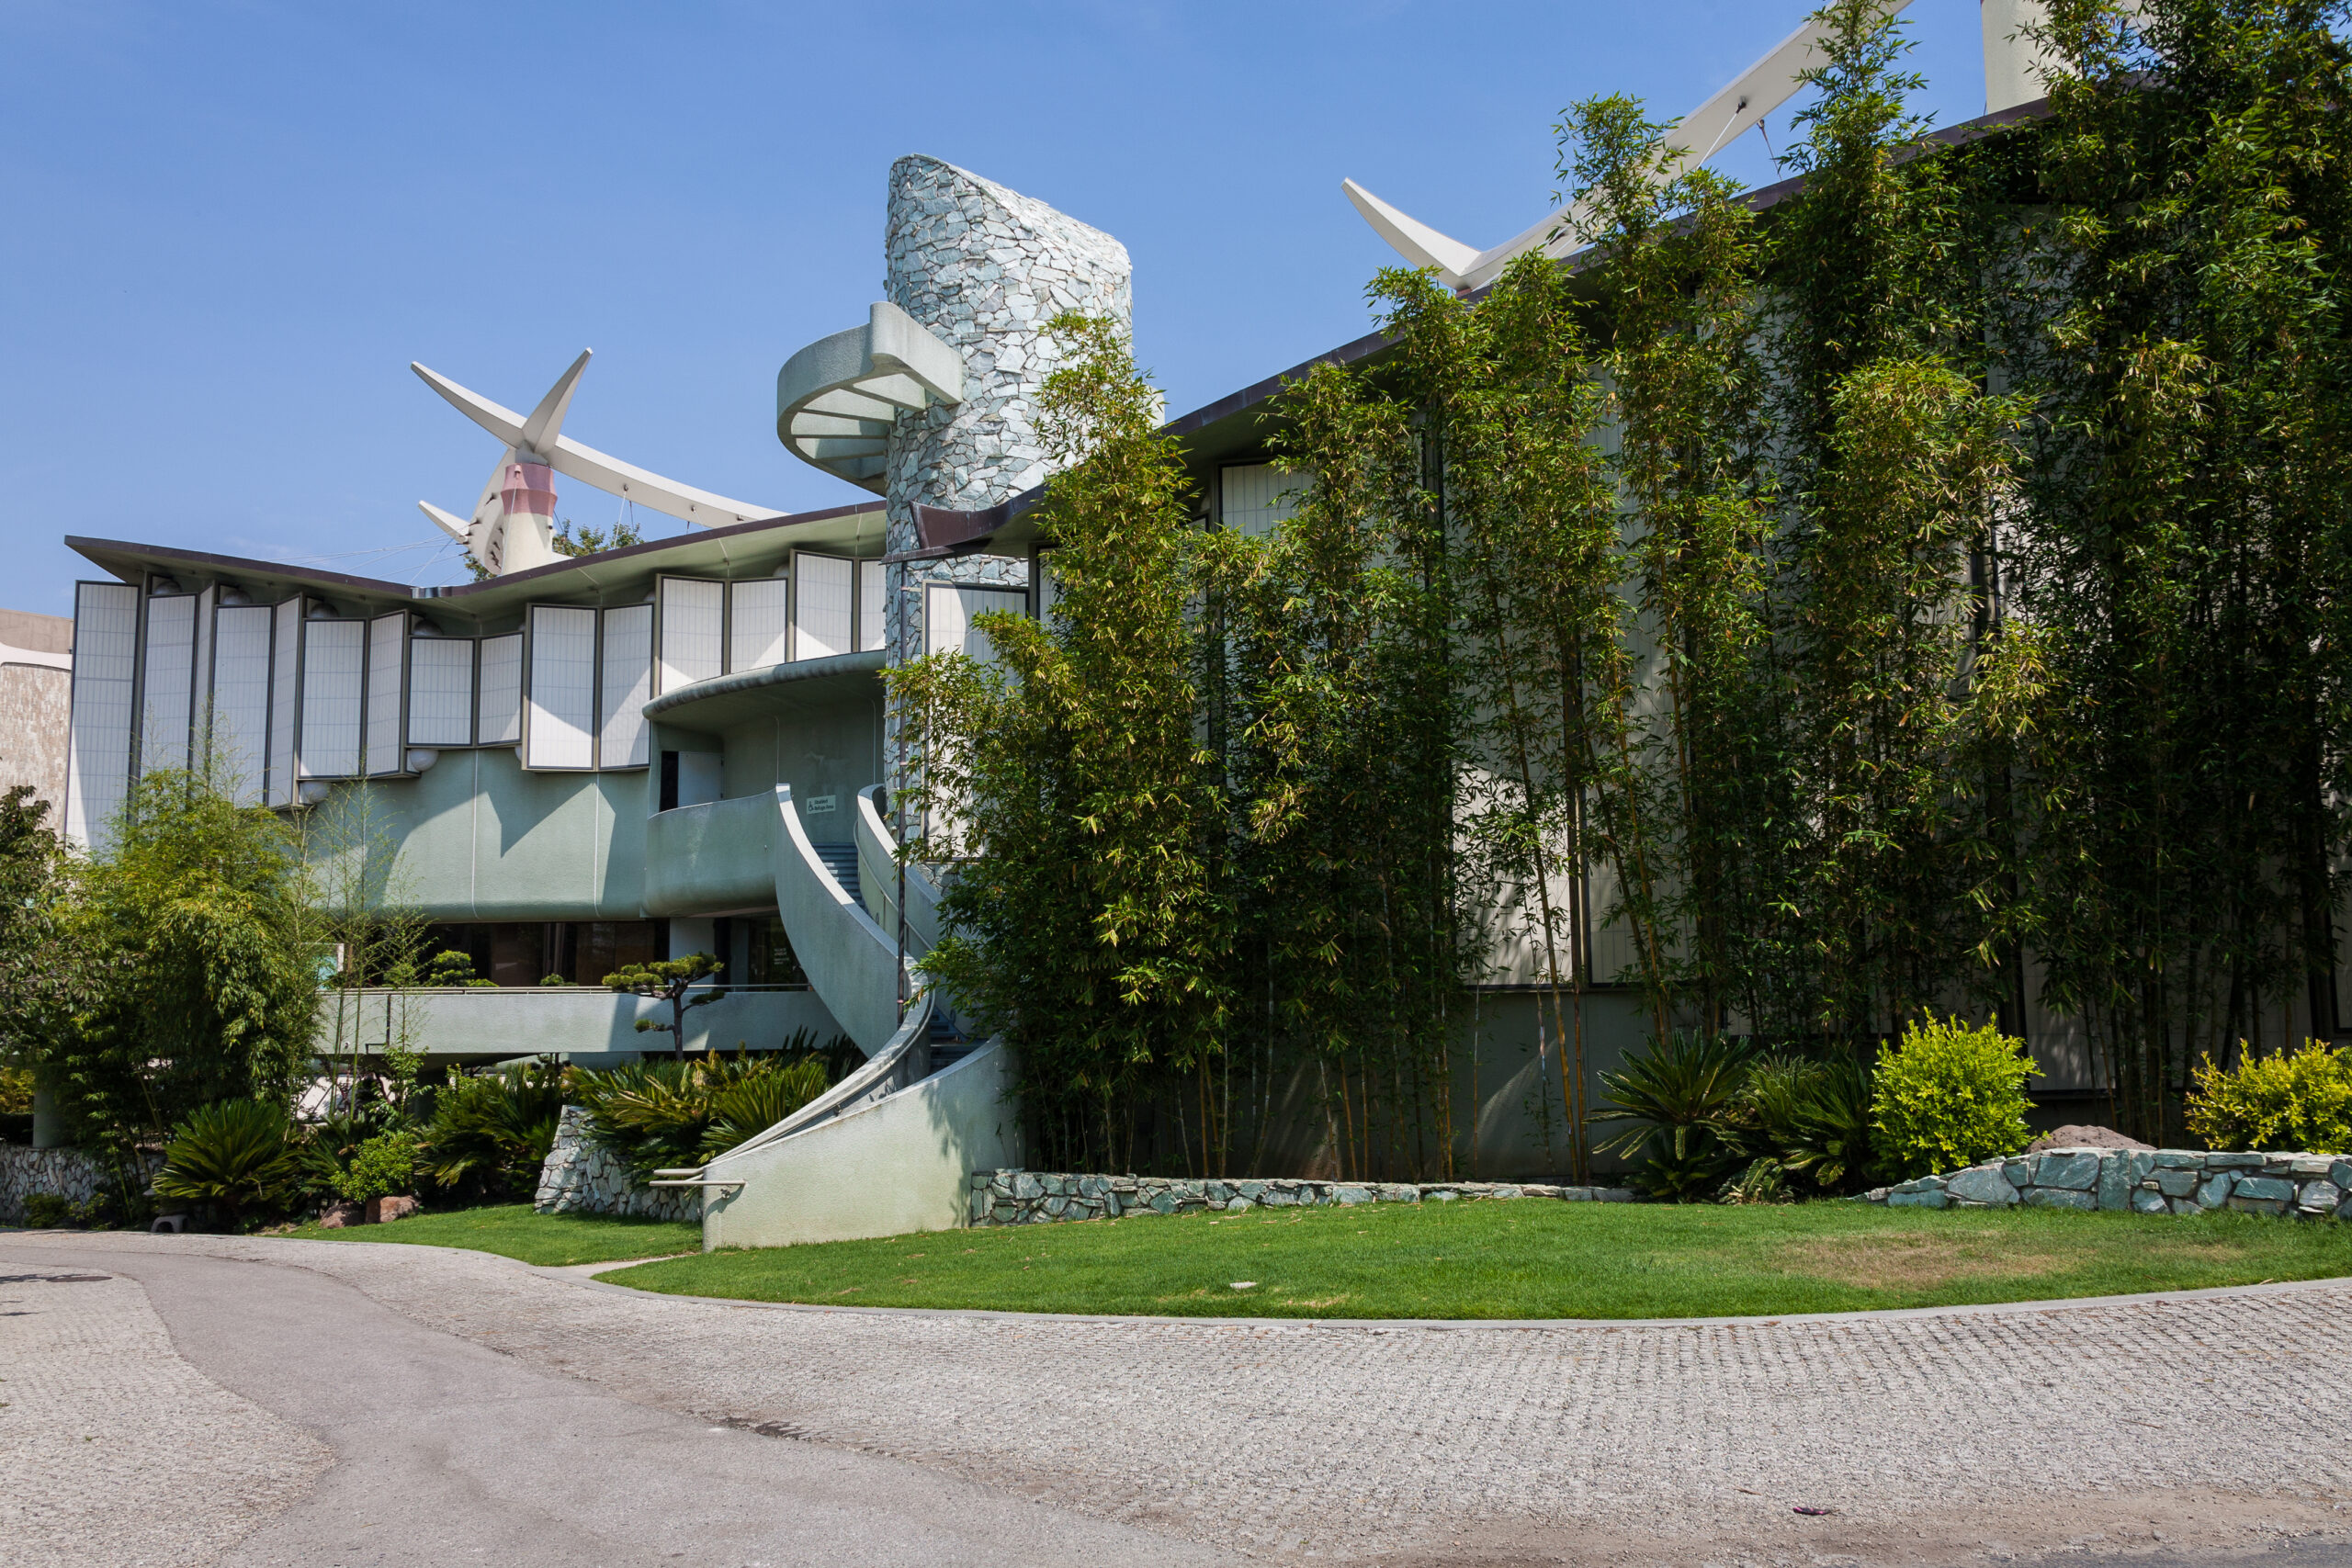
x=575 y=1274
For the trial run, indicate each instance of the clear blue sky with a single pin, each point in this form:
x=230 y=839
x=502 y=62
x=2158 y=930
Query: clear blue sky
x=229 y=227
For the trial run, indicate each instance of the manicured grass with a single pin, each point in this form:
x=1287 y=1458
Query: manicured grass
x=512 y=1230
x=1530 y=1258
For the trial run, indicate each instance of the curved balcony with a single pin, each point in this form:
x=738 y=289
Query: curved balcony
x=804 y=685
x=837 y=400
x=711 y=859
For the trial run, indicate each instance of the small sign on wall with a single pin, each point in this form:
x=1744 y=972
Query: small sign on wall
x=820 y=803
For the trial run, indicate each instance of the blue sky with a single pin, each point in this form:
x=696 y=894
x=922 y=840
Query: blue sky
x=229 y=227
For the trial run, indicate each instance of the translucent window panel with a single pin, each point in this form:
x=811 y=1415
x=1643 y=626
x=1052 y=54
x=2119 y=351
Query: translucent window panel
x=500 y=722
x=241 y=698
x=621 y=729
x=873 y=590
x=167 y=681
x=1257 y=496
x=105 y=658
x=758 y=634
x=821 y=596
x=694 y=624
x=387 y=683
x=285 y=688
x=559 y=699
x=441 y=691
x=949 y=610
x=333 y=656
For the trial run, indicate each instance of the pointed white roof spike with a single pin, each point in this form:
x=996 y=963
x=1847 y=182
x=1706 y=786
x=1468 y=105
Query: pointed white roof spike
x=586 y=464
x=447 y=523
x=1726 y=116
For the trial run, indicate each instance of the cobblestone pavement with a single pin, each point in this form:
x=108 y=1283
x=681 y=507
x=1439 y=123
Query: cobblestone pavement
x=2184 y=1424
x=113 y=1449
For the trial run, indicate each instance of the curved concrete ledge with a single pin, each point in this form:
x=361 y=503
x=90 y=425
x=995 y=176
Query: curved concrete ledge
x=893 y=1168
x=905 y=1060
x=837 y=400
x=803 y=685
x=711 y=858
x=851 y=964
x=878 y=875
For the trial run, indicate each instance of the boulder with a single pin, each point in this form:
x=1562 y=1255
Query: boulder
x=2083 y=1137
x=335 y=1216
x=1982 y=1184
x=384 y=1211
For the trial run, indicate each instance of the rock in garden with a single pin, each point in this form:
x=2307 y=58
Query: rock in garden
x=2083 y=1138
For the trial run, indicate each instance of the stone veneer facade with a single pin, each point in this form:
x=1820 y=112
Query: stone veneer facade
x=2145 y=1181
x=985 y=269
x=1031 y=1197
x=581 y=1176
x=64 y=1173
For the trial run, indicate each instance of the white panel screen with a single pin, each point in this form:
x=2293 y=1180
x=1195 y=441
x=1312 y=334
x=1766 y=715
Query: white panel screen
x=821 y=596
x=106 y=657
x=285 y=687
x=500 y=722
x=693 y=616
x=872 y=579
x=166 y=681
x=1257 y=496
x=559 y=703
x=757 y=636
x=441 y=691
x=621 y=729
x=241 y=698
x=948 y=612
x=387 y=682
x=332 y=654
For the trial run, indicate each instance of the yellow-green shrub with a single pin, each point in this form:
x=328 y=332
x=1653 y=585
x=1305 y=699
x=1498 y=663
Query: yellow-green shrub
x=1948 y=1096
x=2300 y=1099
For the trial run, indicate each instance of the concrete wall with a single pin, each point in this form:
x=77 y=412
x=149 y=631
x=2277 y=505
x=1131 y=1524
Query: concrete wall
x=717 y=856
x=36 y=703
x=835 y=750
x=483 y=1021
x=898 y=1166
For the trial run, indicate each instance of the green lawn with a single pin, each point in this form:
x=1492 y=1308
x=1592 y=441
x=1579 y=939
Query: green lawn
x=512 y=1230
x=1524 y=1259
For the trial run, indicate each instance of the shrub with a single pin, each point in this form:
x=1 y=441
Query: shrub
x=490 y=1132
x=47 y=1211
x=658 y=1116
x=757 y=1101
x=237 y=1153
x=2298 y=1101
x=1829 y=1143
x=1684 y=1098
x=384 y=1166
x=1948 y=1096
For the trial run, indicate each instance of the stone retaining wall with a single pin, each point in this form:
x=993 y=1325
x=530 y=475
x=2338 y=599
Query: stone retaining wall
x=2146 y=1181
x=582 y=1177
x=70 y=1174
x=1030 y=1197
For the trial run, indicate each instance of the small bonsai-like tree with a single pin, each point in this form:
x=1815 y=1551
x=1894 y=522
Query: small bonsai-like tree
x=669 y=980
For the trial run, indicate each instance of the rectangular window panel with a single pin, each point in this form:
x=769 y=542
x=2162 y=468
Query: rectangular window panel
x=285 y=690
x=500 y=723
x=1042 y=586
x=167 y=678
x=559 y=700
x=621 y=729
x=441 y=691
x=240 y=699
x=872 y=579
x=387 y=683
x=694 y=615
x=948 y=612
x=756 y=637
x=1258 y=496
x=106 y=657
x=333 y=654
x=821 y=596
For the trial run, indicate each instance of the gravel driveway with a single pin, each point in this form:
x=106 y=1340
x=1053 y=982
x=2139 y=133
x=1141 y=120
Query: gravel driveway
x=2176 y=1426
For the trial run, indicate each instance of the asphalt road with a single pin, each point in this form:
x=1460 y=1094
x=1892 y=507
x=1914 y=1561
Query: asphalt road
x=446 y=1452
x=188 y=1401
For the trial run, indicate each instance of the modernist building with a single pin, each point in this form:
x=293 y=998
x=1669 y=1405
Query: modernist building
x=680 y=746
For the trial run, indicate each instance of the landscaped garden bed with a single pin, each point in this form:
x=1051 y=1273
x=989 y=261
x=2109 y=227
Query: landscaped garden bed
x=1522 y=1259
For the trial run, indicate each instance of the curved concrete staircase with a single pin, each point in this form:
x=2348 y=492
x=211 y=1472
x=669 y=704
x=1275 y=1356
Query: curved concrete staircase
x=887 y=1149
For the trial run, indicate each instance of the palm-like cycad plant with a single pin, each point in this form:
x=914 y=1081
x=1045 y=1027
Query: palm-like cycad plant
x=1682 y=1099
x=236 y=1152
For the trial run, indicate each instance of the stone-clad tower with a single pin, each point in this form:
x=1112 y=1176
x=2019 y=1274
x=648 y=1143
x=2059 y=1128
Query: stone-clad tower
x=984 y=269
